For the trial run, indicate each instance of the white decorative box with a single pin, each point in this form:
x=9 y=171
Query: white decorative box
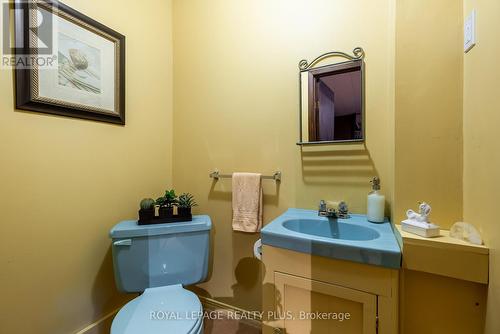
x=427 y=230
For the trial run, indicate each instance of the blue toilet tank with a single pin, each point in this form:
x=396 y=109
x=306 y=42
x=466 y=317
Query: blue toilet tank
x=148 y=256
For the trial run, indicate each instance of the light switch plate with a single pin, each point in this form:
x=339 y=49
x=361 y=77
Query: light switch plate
x=470 y=31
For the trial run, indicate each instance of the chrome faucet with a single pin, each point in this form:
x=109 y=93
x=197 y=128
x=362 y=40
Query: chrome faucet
x=323 y=211
x=341 y=212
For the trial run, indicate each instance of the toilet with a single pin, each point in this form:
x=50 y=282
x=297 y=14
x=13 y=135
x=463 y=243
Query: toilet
x=159 y=260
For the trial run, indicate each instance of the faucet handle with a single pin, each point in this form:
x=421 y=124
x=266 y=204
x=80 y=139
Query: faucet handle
x=343 y=210
x=322 y=205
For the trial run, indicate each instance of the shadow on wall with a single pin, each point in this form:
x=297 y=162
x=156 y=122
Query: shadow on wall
x=106 y=298
x=247 y=291
x=350 y=167
x=267 y=199
x=347 y=167
x=234 y=250
x=248 y=287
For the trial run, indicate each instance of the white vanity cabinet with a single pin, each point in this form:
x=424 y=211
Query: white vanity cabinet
x=306 y=294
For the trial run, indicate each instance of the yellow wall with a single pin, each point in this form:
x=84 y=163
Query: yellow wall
x=236 y=109
x=428 y=157
x=428 y=118
x=481 y=153
x=65 y=182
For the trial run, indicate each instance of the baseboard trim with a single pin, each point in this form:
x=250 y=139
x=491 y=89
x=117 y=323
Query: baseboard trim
x=95 y=324
x=210 y=304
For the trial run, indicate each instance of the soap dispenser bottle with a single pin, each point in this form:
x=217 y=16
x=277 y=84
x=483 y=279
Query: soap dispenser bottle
x=376 y=203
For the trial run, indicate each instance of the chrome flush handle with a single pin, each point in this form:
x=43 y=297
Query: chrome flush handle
x=123 y=242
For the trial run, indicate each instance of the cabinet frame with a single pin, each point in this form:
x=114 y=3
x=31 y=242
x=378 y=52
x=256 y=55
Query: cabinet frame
x=374 y=280
x=369 y=301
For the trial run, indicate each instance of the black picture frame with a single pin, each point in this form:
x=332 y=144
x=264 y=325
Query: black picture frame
x=24 y=77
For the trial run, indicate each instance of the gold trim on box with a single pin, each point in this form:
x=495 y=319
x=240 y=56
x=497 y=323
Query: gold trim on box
x=35 y=92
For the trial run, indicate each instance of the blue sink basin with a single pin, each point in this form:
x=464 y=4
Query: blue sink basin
x=354 y=239
x=331 y=229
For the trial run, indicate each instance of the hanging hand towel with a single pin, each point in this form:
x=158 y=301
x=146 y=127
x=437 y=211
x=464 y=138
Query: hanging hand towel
x=247 y=202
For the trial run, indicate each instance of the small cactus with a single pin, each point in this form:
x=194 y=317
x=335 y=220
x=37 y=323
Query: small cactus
x=147 y=203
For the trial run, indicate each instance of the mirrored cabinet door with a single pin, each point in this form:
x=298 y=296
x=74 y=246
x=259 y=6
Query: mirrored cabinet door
x=332 y=103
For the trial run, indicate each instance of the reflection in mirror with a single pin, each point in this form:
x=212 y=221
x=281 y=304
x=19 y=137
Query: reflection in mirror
x=332 y=103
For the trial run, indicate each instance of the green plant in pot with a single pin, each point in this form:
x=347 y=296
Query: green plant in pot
x=184 y=204
x=147 y=209
x=167 y=203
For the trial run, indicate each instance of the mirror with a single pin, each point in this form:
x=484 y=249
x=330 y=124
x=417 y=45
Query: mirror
x=332 y=100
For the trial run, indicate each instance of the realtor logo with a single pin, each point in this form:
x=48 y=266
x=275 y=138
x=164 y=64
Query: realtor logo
x=27 y=31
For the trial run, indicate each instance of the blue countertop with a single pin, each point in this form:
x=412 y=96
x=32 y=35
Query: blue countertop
x=353 y=239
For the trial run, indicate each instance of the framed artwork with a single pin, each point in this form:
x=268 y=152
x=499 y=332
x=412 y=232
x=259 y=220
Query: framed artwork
x=77 y=65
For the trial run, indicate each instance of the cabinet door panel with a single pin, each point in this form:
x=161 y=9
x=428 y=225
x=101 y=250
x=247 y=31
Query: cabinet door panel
x=309 y=306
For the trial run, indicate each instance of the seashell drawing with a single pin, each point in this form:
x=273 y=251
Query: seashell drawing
x=79 y=59
x=79 y=65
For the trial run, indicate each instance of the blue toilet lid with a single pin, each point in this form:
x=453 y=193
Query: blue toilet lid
x=166 y=309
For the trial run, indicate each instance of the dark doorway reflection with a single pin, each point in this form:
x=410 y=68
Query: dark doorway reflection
x=336 y=103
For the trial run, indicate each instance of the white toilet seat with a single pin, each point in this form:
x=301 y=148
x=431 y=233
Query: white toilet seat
x=161 y=310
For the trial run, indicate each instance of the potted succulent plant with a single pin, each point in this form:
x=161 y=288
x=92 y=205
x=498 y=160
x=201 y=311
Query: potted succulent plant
x=147 y=209
x=167 y=203
x=184 y=204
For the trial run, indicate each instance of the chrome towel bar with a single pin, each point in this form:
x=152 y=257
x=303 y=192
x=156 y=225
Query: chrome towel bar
x=217 y=175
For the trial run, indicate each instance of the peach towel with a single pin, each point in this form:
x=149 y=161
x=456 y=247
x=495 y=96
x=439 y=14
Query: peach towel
x=247 y=202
